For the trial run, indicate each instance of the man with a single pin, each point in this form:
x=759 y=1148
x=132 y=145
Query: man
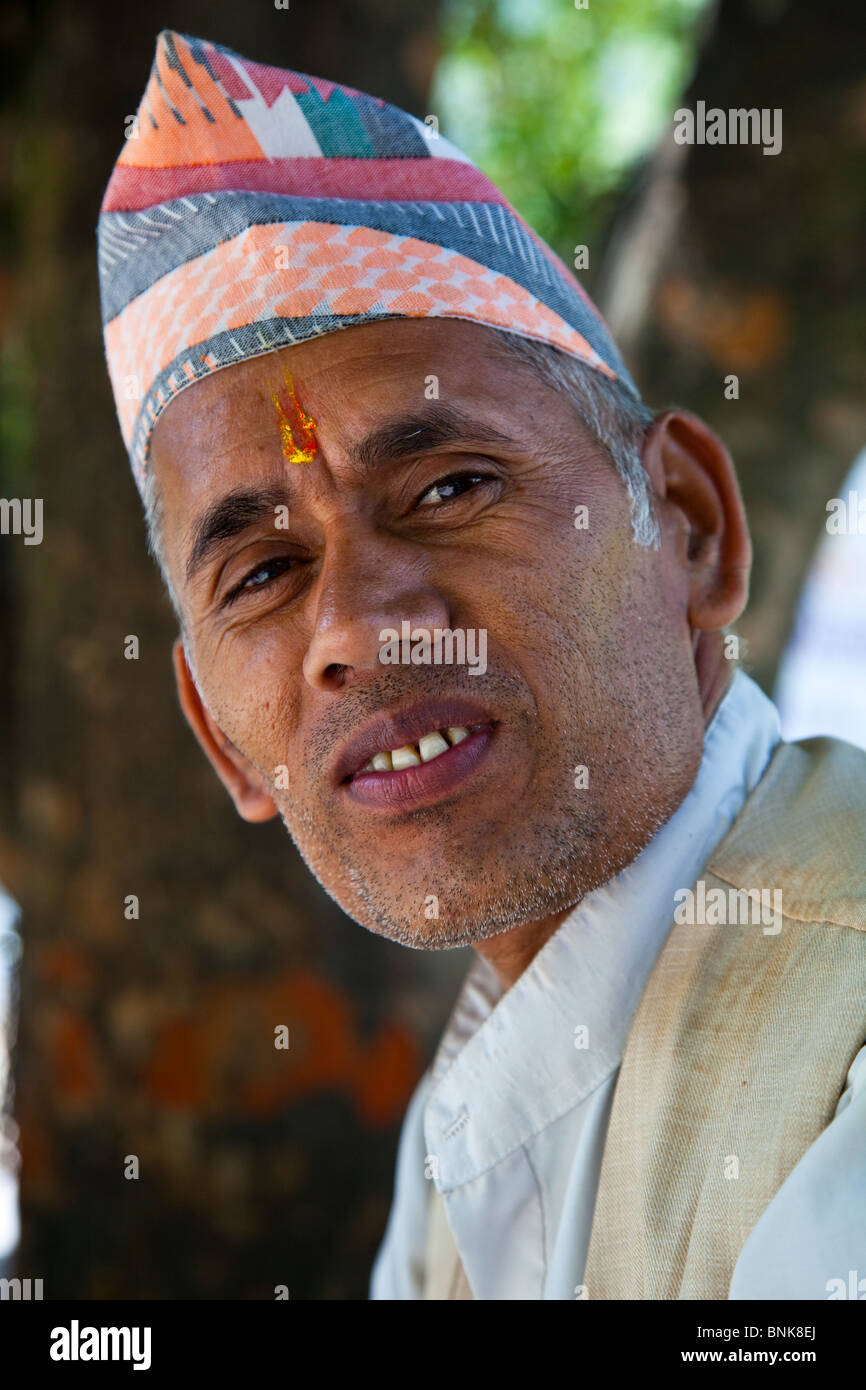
x=452 y=603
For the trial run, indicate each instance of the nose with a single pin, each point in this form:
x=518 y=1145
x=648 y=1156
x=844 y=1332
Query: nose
x=367 y=583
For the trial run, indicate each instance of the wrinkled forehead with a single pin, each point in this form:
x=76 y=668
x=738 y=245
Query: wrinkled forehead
x=325 y=396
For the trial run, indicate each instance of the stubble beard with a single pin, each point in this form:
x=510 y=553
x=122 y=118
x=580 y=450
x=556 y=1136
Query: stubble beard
x=483 y=895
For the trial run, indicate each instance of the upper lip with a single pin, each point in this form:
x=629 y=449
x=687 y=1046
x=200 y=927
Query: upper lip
x=396 y=728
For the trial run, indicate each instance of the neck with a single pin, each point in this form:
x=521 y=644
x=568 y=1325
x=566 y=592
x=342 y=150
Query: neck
x=713 y=670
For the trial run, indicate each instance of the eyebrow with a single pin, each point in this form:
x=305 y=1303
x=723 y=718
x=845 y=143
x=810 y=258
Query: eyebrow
x=421 y=432
x=234 y=513
x=403 y=437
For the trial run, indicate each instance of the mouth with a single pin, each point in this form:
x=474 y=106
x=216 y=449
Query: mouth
x=416 y=756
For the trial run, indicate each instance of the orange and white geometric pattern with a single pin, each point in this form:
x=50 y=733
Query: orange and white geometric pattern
x=289 y=269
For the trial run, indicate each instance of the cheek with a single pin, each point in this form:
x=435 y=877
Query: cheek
x=252 y=694
x=604 y=637
x=582 y=589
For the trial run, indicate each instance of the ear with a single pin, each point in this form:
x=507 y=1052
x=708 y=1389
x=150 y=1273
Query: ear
x=244 y=784
x=691 y=469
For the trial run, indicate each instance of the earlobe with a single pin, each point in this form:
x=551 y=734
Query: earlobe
x=243 y=783
x=695 y=481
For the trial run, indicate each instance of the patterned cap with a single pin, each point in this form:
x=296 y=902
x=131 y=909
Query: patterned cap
x=254 y=207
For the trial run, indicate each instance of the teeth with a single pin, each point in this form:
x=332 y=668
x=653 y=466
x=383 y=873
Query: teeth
x=404 y=757
x=431 y=746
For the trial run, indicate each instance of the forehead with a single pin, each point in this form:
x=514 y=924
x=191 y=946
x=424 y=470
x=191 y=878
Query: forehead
x=347 y=380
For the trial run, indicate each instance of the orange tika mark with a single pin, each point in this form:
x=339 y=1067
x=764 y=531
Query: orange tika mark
x=296 y=453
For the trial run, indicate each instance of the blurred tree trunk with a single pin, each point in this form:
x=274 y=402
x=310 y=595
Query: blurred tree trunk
x=731 y=262
x=154 y=1036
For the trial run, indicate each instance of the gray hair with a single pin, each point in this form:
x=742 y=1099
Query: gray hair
x=615 y=416
x=153 y=520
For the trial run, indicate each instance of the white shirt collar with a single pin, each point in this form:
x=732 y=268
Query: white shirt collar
x=508 y=1064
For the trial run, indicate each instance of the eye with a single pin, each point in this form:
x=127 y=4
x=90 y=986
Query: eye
x=262 y=577
x=452 y=488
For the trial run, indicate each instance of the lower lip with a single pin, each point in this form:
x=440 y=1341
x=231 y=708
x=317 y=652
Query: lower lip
x=425 y=783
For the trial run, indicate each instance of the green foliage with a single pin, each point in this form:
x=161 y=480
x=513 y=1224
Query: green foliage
x=556 y=104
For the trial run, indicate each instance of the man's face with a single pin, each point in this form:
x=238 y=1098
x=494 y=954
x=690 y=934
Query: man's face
x=456 y=512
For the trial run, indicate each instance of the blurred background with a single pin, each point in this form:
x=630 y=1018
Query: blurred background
x=146 y=1028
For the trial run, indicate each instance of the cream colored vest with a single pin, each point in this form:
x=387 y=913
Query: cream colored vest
x=739 y=1049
